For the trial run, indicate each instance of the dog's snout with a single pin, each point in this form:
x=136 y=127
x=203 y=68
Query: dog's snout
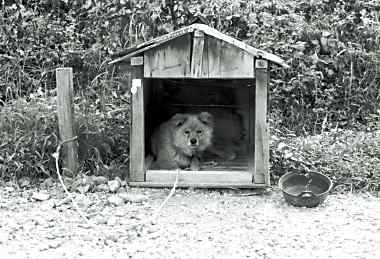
x=193 y=141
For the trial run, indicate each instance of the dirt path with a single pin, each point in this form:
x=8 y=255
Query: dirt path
x=193 y=224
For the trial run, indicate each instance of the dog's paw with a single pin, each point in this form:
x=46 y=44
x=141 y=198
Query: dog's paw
x=195 y=164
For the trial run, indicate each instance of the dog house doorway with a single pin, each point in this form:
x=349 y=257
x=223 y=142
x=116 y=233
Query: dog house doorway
x=226 y=100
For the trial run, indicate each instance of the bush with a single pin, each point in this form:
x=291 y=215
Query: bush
x=29 y=137
x=332 y=47
x=351 y=159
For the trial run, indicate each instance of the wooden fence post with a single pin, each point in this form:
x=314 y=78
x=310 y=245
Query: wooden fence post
x=66 y=123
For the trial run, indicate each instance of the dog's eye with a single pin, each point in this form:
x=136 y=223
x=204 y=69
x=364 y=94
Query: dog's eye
x=199 y=131
x=187 y=132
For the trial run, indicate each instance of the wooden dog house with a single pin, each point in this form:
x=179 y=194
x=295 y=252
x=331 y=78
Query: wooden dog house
x=197 y=68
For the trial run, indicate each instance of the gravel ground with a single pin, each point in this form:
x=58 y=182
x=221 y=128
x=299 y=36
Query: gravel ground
x=193 y=224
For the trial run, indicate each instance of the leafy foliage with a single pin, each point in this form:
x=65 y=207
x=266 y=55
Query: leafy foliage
x=351 y=159
x=29 y=136
x=333 y=48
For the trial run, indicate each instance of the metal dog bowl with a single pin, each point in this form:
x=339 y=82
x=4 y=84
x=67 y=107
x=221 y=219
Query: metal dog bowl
x=305 y=190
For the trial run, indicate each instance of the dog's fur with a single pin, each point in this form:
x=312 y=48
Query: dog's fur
x=180 y=141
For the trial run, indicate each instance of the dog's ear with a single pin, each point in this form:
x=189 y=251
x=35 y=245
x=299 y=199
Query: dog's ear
x=206 y=118
x=179 y=119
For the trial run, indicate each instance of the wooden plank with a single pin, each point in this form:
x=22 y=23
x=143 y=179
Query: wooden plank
x=197 y=54
x=205 y=63
x=199 y=176
x=226 y=61
x=66 y=122
x=261 y=154
x=137 y=134
x=154 y=43
x=137 y=61
x=198 y=185
x=251 y=129
x=170 y=60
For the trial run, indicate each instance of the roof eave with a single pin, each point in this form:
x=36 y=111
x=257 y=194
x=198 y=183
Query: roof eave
x=207 y=30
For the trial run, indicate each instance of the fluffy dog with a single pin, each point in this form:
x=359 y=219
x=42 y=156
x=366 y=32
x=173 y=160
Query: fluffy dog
x=180 y=141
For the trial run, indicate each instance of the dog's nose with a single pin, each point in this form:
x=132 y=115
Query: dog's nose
x=193 y=141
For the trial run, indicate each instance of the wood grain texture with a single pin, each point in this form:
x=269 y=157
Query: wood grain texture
x=137 y=135
x=197 y=54
x=198 y=185
x=157 y=176
x=169 y=60
x=224 y=60
x=261 y=163
x=211 y=33
x=66 y=122
x=251 y=130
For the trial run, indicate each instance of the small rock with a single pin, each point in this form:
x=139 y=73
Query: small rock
x=83 y=188
x=119 y=213
x=83 y=201
x=54 y=244
x=47 y=183
x=112 y=237
x=24 y=182
x=3 y=238
x=122 y=189
x=9 y=188
x=114 y=185
x=102 y=188
x=43 y=247
x=49 y=204
x=115 y=200
x=101 y=220
x=99 y=180
x=40 y=196
x=82 y=184
x=64 y=200
x=29 y=226
x=87 y=238
x=112 y=221
x=131 y=197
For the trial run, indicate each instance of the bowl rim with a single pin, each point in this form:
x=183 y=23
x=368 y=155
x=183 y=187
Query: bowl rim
x=284 y=176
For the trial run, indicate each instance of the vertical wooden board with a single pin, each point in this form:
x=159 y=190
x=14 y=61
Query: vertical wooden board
x=197 y=54
x=214 y=51
x=251 y=131
x=205 y=62
x=227 y=61
x=169 y=60
x=137 y=135
x=66 y=122
x=261 y=154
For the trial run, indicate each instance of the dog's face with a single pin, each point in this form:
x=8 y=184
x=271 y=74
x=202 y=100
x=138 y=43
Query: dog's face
x=192 y=133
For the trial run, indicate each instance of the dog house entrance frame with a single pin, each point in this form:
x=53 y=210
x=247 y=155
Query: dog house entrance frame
x=199 y=52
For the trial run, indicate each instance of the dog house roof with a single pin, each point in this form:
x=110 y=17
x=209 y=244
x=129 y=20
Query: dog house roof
x=207 y=30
